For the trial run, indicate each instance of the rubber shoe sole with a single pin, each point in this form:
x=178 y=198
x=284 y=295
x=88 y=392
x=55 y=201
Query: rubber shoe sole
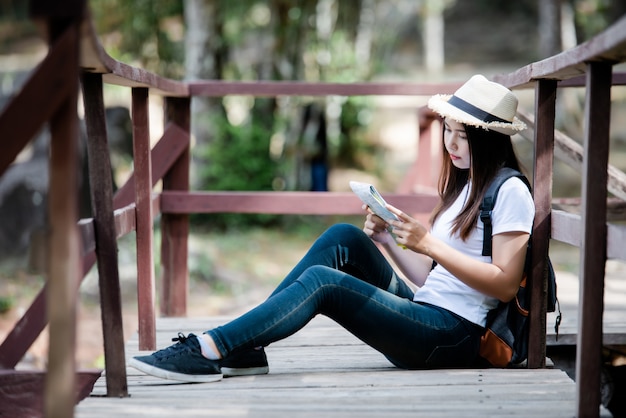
x=170 y=375
x=250 y=371
x=245 y=363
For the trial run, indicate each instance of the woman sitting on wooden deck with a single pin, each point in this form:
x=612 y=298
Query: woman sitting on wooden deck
x=345 y=277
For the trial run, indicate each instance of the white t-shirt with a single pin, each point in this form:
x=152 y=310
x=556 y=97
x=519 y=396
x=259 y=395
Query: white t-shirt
x=514 y=211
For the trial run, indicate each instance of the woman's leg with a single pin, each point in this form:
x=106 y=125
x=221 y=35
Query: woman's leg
x=345 y=277
x=342 y=247
x=346 y=248
x=411 y=335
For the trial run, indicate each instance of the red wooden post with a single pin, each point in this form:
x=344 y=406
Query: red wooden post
x=423 y=174
x=175 y=227
x=143 y=204
x=105 y=235
x=63 y=240
x=545 y=99
x=593 y=238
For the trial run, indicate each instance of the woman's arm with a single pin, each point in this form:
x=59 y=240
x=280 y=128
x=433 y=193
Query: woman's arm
x=414 y=266
x=499 y=279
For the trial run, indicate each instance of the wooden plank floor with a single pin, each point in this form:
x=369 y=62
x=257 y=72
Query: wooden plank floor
x=325 y=371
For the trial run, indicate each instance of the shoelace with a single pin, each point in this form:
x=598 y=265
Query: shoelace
x=181 y=338
x=173 y=349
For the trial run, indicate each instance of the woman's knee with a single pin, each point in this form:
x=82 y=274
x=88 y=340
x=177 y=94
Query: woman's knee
x=343 y=230
x=346 y=235
x=320 y=275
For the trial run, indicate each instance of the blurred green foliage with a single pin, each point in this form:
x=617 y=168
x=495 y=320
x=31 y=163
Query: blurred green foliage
x=236 y=143
x=593 y=16
x=237 y=159
x=6 y=303
x=149 y=33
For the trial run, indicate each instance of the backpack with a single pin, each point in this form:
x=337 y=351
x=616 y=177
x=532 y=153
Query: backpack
x=505 y=341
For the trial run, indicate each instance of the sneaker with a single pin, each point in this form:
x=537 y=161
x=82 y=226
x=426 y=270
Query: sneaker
x=182 y=361
x=245 y=363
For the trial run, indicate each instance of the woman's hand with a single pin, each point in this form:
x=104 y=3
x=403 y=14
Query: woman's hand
x=499 y=279
x=409 y=232
x=414 y=267
x=375 y=227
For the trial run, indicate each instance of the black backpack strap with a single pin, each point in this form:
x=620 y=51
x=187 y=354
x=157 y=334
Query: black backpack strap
x=489 y=201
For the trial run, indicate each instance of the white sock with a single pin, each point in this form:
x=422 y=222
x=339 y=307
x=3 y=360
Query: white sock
x=207 y=351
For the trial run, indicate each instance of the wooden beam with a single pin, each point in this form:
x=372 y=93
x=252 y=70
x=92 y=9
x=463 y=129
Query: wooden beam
x=615 y=239
x=287 y=203
x=566 y=338
x=593 y=238
x=94 y=58
x=423 y=174
x=566 y=227
x=618 y=79
x=105 y=235
x=173 y=143
x=21 y=391
x=175 y=227
x=63 y=240
x=545 y=106
x=45 y=90
x=144 y=219
x=124 y=220
x=571 y=153
x=26 y=330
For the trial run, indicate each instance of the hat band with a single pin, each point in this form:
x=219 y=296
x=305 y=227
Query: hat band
x=474 y=111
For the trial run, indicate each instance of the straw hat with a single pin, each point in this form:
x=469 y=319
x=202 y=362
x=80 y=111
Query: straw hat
x=480 y=103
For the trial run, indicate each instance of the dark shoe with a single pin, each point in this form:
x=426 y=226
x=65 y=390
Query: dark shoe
x=245 y=363
x=182 y=361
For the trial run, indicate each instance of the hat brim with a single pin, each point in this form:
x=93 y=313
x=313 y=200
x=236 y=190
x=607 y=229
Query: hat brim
x=439 y=104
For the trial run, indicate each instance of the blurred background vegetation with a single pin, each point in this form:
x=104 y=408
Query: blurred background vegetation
x=268 y=143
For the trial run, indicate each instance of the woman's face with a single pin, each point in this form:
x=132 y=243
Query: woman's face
x=456 y=143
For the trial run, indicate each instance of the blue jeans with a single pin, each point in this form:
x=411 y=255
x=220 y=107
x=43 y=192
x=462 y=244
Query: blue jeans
x=345 y=277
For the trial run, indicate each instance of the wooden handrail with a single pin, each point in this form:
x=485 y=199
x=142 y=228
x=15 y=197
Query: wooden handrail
x=608 y=46
x=94 y=59
x=285 y=203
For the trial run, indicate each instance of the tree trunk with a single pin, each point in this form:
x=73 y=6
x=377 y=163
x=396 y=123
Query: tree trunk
x=366 y=28
x=549 y=27
x=434 y=35
x=205 y=53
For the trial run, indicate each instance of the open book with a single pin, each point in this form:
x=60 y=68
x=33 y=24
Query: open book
x=370 y=196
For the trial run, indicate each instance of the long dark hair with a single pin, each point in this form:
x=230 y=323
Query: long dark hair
x=489 y=151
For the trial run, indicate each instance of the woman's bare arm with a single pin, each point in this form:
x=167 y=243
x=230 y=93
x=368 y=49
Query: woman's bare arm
x=414 y=266
x=499 y=279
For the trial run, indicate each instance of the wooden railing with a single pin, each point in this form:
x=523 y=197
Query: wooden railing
x=75 y=53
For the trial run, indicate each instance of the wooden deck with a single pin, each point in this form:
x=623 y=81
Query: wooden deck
x=325 y=371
